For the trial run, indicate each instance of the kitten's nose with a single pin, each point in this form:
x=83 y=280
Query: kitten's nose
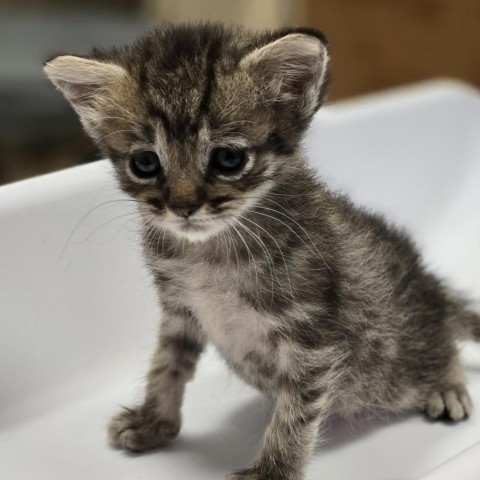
x=185 y=210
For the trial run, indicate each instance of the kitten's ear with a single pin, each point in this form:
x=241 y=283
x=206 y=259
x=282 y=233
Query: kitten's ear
x=292 y=68
x=85 y=83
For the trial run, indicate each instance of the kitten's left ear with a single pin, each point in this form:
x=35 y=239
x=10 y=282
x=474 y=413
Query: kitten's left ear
x=85 y=84
x=292 y=69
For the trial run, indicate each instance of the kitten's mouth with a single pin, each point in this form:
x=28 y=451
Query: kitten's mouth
x=189 y=225
x=192 y=229
x=196 y=230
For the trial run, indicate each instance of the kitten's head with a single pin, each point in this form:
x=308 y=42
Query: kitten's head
x=200 y=122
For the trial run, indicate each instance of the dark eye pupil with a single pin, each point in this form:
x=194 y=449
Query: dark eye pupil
x=145 y=164
x=228 y=160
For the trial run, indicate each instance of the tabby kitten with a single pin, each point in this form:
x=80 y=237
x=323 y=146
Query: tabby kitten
x=322 y=306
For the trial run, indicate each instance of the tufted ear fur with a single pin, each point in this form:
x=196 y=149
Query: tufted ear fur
x=292 y=69
x=85 y=83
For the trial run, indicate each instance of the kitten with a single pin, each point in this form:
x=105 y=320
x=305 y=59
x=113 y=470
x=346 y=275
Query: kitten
x=318 y=304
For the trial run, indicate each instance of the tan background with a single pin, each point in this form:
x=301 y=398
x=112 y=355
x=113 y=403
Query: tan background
x=375 y=44
x=379 y=44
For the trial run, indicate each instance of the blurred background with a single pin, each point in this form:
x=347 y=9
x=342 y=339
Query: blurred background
x=375 y=45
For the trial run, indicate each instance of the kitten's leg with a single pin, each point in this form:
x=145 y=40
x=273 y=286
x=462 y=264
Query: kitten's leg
x=290 y=437
x=450 y=400
x=158 y=420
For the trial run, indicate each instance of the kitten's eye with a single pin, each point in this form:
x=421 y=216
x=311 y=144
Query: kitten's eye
x=145 y=164
x=228 y=160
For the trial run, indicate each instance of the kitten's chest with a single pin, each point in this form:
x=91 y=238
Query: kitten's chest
x=230 y=323
x=244 y=336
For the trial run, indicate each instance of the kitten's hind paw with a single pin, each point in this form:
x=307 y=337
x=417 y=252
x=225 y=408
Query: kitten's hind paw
x=247 y=474
x=139 y=429
x=452 y=404
x=254 y=473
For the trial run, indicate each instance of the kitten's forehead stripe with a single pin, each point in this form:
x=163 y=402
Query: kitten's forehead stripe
x=157 y=112
x=213 y=55
x=177 y=77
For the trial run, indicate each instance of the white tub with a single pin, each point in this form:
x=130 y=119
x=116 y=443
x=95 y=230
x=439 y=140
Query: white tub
x=78 y=318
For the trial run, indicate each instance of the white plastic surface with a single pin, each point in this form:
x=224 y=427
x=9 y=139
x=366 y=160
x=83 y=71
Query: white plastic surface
x=78 y=318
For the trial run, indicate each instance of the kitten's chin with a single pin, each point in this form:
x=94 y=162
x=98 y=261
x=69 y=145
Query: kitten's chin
x=195 y=231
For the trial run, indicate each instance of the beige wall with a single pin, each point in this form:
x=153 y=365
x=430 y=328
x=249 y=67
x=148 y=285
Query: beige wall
x=378 y=44
x=253 y=13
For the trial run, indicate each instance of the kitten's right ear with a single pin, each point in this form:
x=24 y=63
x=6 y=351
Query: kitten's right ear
x=85 y=83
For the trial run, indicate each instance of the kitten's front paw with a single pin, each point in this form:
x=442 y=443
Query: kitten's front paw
x=453 y=404
x=140 y=429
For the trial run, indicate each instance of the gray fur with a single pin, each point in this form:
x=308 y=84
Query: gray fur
x=322 y=306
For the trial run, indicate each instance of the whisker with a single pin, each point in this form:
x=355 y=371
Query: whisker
x=118 y=131
x=250 y=255
x=292 y=230
x=85 y=216
x=269 y=261
x=137 y=216
x=125 y=119
x=287 y=272
x=130 y=113
x=231 y=239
